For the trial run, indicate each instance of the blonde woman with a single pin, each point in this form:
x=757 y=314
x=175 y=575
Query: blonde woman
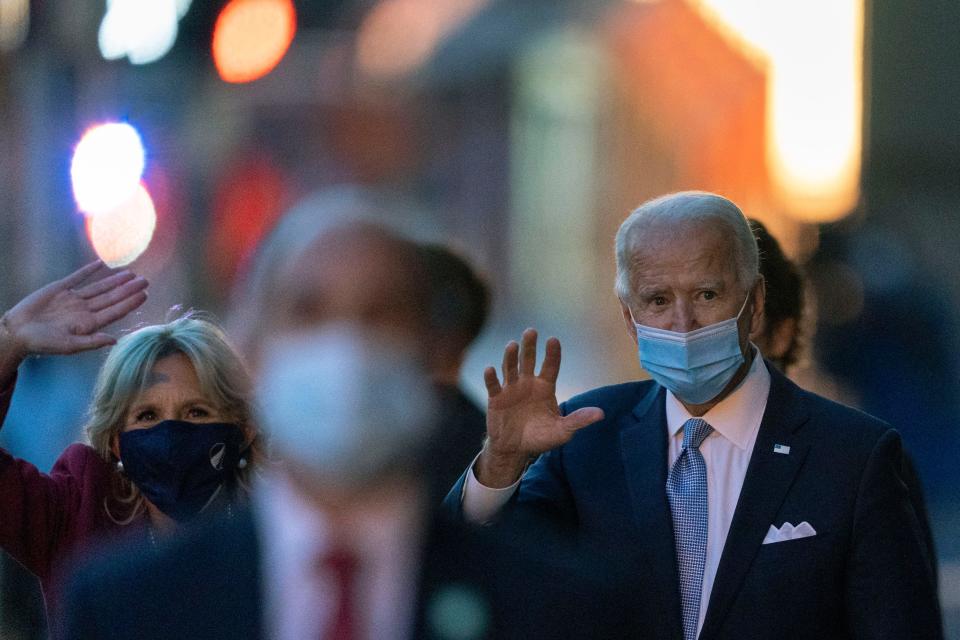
x=170 y=432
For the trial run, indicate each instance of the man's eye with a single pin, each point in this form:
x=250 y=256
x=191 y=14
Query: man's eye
x=709 y=295
x=659 y=301
x=146 y=416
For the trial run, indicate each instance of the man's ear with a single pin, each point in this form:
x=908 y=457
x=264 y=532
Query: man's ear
x=759 y=294
x=782 y=338
x=628 y=320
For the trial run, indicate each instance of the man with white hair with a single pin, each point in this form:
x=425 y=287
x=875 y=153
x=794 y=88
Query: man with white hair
x=744 y=506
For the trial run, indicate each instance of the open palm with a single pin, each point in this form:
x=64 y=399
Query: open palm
x=67 y=316
x=523 y=418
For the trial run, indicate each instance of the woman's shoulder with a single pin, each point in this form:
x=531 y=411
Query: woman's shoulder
x=81 y=460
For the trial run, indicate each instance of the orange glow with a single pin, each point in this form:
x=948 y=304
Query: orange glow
x=692 y=102
x=813 y=52
x=251 y=37
x=120 y=235
x=397 y=36
x=248 y=200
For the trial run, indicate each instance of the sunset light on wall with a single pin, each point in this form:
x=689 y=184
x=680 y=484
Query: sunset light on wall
x=812 y=52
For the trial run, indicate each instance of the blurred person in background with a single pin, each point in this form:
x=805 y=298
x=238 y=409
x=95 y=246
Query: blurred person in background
x=780 y=340
x=169 y=429
x=744 y=505
x=342 y=539
x=780 y=335
x=459 y=303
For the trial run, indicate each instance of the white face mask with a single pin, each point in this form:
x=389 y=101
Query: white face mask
x=345 y=406
x=696 y=365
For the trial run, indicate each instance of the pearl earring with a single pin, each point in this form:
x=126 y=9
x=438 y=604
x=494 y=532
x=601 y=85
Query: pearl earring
x=242 y=464
x=119 y=466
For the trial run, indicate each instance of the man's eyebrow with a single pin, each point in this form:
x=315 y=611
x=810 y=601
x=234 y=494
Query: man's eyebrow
x=651 y=290
x=711 y=284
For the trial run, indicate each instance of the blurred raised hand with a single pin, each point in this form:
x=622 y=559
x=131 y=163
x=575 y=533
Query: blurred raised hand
x=523 y=417
x=67 y=316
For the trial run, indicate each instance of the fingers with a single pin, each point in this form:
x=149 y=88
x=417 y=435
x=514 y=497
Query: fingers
x=550 y=368
x=491 y=382
x=117 y=293
x=120 y=309
x=528 y=352
x=90 y=342
x=104 y=284
x=582 y=418
x=509 y=365
x=77 y=277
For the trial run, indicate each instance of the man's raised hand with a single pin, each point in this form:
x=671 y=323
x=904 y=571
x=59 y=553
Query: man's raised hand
x=523 y=417
x=67 y=316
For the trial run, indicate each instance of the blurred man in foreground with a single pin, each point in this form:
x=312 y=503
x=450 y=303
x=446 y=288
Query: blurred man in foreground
x=341 y=541
x=744 y=506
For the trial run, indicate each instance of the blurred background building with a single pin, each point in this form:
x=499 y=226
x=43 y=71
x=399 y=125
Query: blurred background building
x=523 y=132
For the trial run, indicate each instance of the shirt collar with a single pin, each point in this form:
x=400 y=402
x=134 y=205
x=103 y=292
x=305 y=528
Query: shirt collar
x=737 y=416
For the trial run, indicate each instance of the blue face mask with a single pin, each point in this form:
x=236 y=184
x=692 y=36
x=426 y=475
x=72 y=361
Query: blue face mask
x=697 y=365
x=181 y=467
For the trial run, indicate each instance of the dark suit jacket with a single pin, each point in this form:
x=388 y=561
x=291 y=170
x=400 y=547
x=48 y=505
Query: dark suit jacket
x=473 y=584
x=462 y=427
x=864 y=575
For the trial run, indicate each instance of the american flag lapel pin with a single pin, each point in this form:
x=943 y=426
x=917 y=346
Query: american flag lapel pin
x=781 y=448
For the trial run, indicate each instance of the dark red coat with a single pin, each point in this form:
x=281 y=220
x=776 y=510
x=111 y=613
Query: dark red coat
x=45 y=520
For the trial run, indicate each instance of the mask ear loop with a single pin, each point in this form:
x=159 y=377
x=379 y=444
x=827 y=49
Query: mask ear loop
x=742 y=307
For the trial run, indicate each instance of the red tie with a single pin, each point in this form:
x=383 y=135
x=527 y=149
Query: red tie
x=342 y=565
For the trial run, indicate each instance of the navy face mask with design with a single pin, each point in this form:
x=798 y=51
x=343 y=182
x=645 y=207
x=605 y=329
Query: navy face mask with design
x=181 y=467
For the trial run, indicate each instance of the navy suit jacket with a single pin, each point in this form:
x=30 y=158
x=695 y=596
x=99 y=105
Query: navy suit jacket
x=866 y=574
x=473 y=585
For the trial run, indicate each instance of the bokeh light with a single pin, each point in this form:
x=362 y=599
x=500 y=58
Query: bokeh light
x=142 y=30
x=251 y=37
x=247 y=201
x=397 y=36
x=107 y=166
x=120 y=235
x=14 y=23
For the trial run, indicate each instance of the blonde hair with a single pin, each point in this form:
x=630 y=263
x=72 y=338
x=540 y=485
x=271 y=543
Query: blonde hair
x=224 y=382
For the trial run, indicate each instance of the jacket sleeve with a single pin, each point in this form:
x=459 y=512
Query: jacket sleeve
x=36 y=508
x=890 y=587
x=6 y=395
x=544 y=497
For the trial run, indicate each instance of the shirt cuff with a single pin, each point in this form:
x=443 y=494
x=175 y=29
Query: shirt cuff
x=481 y=503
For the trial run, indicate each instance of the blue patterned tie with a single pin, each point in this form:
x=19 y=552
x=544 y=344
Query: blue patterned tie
x=687 y=492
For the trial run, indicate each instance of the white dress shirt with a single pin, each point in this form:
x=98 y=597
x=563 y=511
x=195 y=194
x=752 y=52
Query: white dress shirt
x=299 y=597
x=727 y=451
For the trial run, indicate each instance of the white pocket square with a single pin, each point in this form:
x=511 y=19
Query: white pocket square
x=789 y=532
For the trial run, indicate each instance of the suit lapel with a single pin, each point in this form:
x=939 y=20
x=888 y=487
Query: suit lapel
x=769 y=477
x=643 y=444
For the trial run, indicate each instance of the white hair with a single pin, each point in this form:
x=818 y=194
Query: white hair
x=680 y=208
